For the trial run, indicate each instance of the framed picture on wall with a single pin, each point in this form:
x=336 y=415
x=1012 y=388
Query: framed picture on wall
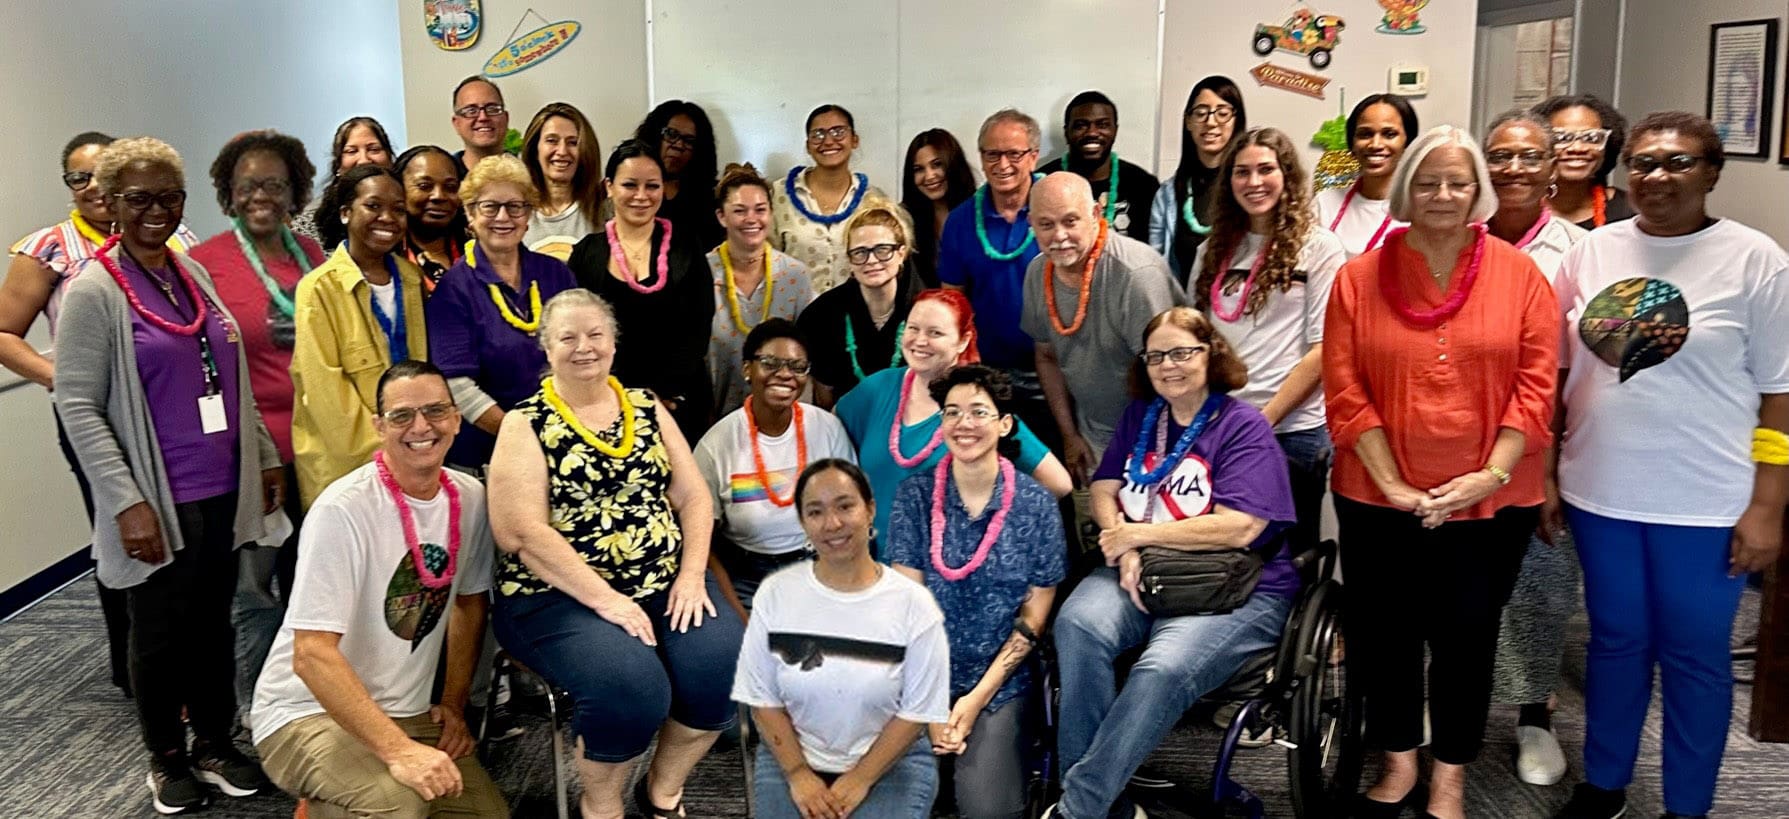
x=1742 y=67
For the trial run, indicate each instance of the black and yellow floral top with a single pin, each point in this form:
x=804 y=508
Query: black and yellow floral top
x=616 y=512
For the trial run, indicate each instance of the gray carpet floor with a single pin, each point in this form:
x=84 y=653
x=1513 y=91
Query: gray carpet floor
x=69 y=745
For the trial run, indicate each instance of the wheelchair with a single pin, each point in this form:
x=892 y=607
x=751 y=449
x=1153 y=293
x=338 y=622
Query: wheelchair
x=1299 y=691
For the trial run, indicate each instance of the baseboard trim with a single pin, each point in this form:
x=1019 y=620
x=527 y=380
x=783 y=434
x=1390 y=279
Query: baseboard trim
x=27 y=592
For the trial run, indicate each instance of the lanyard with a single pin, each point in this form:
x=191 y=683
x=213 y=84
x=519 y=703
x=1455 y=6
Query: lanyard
x=207 y=361
x=396 y=335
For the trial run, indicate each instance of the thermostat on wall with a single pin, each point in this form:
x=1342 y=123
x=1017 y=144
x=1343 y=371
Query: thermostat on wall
x=1409 y=80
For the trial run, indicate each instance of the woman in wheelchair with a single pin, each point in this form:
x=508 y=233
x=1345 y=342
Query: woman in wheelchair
x=844 y=665
x=1191 y=473
x=986 y=540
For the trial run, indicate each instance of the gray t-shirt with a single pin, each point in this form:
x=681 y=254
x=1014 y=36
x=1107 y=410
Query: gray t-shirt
x=1131 y=284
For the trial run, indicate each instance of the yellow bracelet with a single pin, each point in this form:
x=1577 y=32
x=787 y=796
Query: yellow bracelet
x=1770 y=446
x=1498 y=472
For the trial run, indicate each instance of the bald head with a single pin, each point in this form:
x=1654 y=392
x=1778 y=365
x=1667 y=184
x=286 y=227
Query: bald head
x=1060 y=192
x=1065 y=218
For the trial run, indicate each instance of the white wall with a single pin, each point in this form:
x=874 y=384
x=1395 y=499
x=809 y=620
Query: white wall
x=1664 y=66
x=192 y=72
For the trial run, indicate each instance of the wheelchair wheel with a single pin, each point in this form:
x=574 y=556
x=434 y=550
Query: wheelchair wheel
x=1326 y=713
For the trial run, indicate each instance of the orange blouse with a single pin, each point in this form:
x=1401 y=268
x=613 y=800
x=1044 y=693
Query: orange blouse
x=1441 y=394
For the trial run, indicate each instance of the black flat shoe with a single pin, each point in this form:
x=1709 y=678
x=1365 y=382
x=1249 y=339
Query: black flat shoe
x=643 y=802
x=1366 y=807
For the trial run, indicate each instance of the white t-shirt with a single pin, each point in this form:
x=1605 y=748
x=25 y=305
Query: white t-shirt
x=844 y=664
x=741 y=504
x=356 y=578
x=1548 y=247
x=1272 y=341
x=1364 y=219
x=386 y=296
x=1670 y=341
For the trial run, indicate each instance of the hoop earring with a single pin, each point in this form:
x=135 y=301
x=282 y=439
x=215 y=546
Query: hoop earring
x=1552 y=189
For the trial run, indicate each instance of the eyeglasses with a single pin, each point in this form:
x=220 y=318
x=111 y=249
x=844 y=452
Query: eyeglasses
x=488 y=208
x=770 y=364
x=1643 y=164
x=77 y=180
x=489 y=109
x=981 y=415
x=672 y=136
x=882 y=252
x=1206 y=113
x=141 y=200
x=275 y=186
x=405 y=416
x=1434 y=189
x=1526 y=160
x=836 y=133
x=1178 y=355
x=1591 y=138
x=993 y=158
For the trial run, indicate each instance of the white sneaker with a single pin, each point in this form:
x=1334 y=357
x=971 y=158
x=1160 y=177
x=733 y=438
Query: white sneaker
x=1539 y=760
x=1136 y=812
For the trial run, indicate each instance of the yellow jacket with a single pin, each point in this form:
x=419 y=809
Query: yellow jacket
x=336 y=363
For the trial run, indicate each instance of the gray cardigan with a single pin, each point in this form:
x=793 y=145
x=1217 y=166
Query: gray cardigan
x=102 y=403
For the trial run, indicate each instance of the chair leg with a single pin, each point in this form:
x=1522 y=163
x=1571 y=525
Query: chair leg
x=746 y=757
x=559 y=786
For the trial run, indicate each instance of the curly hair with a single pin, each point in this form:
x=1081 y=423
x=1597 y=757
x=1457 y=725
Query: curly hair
x=340 y=194
x=1605 y=113
x=700 y=174
x=739 y=176
x=587 y=189
x=299 y=169
x=999 y=387
x=496 y=170
x=1694 y=126
x=1293 y=217
x=130 y=151
x=1224 y=370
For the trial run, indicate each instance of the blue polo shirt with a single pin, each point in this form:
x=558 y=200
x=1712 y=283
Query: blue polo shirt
x=996 y=288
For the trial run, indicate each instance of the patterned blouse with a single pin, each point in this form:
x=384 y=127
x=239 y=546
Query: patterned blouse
x=791 y=294
x=820 y=247
x=616 y=512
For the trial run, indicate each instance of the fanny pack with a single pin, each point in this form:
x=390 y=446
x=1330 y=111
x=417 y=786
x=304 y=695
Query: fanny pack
x=1176 y=583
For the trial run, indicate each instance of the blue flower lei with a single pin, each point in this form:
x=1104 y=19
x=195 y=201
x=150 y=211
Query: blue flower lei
x=863 y=184
x=1149 y=431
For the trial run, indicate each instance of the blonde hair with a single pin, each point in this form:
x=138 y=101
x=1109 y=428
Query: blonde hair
x=498 y=170
x=124 y=153
x=880 y=212
x=1484 y=200
x=566 y=299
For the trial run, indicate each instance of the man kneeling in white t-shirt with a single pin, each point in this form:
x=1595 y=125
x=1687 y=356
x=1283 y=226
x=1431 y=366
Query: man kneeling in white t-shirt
x=394 y=558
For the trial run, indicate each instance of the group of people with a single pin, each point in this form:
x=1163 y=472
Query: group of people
x=689 y=439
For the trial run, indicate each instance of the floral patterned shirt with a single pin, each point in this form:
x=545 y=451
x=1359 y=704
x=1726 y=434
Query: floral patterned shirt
x=820 y=247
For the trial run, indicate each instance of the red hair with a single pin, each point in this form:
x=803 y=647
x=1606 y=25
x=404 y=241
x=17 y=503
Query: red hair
x=959 y=304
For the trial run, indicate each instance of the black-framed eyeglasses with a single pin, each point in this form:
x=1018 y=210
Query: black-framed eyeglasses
x=405 y=416
x=274 y=185
x=1212 y=113
x=770 y=364
x=488 y=208
x=993 y=158
x=672 y=136
x=1590 y=137
x=1178 y=355
x=1523 y=160
x=1643 y=164
x=141 y=200
x=836 y=133
x=978 y=414
x=489 y=109
x=882 y=252
x=77 y=180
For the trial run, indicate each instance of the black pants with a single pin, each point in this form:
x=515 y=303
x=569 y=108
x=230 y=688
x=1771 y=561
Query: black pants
x=1443 y=588
x=182 y=647
x=112 y=602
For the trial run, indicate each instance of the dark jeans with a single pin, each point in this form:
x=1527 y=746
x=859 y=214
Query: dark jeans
x=182 y=648
x=747 y=569
x=1308 y=453
x=1444 y=589
x=112 y=602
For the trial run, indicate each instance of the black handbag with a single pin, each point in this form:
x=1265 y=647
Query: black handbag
x=1175 y=583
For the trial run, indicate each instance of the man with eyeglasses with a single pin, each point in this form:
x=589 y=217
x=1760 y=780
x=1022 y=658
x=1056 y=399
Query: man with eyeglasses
x=395 y=558
x=1124 y=191
x=480 y=119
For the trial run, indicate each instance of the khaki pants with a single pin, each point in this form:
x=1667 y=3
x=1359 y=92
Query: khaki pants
x=317 y=759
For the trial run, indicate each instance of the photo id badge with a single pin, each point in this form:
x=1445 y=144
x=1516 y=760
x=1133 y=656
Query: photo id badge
x=211 y=414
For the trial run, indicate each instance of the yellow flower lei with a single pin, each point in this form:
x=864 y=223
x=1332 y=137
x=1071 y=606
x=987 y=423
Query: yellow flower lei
x=733 y=291
x=625 y=448
x=92 y=234
x=530 y=326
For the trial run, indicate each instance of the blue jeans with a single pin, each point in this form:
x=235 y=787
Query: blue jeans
x=1185 y=657
x=906 y=791
x=1657 y=595
x=1308 y=453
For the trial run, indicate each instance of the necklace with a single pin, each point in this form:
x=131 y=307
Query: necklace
x=1599 y=206
x=428 y=578
x=1111 y=184
x=894 y=430
x=1391 y=283
x=733 y=293
x=200 y=306
x=1383 y=224
x=1186 y=213
x=618 y=451
x=851 y=348
x=619 y=257
x=274 y=290
x=762 y=474
x=1248 y=284
x=1099 y=246
x=981 y=232
x=1154 y=421
x=940 y=477
x=863 y=184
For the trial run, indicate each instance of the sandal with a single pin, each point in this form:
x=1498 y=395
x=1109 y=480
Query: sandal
x=643 y=801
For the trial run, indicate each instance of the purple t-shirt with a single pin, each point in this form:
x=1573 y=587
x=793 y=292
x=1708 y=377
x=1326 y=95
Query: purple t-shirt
x=1236 y=461
x=199 y=465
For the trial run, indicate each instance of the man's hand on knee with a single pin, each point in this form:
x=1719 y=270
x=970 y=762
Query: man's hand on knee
x=428 y=771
